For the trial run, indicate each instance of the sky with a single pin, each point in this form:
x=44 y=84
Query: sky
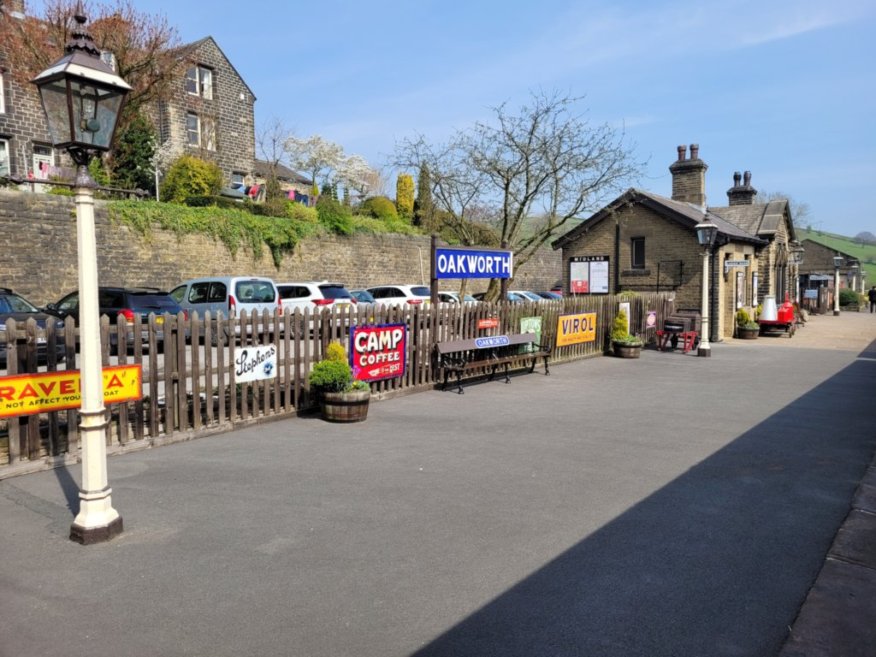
x=785 y=89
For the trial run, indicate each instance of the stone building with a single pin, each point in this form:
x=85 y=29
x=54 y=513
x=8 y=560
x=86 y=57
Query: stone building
x=645 y=242
x=208 y=113
x=818 y=274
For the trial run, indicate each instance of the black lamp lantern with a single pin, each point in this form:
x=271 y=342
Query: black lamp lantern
x=796 y=253
x=706 y=234
x=82 y=97
x=837 y=261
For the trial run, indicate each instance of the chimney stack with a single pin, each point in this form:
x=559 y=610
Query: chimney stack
x=14 y=8
x=689 y=177
x=741 y=194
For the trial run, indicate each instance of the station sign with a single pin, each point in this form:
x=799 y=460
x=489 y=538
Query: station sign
x=730 y=264
x=473 y=263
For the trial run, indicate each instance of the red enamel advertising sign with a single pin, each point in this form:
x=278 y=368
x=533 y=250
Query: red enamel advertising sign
x=378 y=352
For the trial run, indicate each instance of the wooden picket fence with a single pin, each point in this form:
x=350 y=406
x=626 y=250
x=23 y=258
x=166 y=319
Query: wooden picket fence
x=189 y=387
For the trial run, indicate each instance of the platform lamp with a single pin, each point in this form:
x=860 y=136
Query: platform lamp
x=82 y=97
x=706 y=235
x=837 y=263
x=796 y=260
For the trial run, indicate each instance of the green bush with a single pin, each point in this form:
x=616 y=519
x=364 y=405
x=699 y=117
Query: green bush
x=743 y=320
x=380 y=207
x=334 y=216
x=849 y=297
x=331 y=376
x=191 y=176
x=620 y=333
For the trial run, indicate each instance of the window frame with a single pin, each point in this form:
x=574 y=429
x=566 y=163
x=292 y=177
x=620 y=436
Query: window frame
x=199 y=81
x=8 y=157
x=2 y=93
x=193 y=132
x=637 y=246
x=208 y=133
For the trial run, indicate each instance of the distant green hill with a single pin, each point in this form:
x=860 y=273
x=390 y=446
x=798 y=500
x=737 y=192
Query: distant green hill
x=866 y=253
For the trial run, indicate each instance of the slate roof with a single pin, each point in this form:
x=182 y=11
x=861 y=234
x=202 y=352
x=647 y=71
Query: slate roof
x=686 y=214
x=263 y=170
x=761 y=219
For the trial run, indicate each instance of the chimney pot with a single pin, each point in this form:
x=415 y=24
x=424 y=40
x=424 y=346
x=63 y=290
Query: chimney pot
x=747 y=180
x=737 y=178
x=694 y=151
x=682 y=153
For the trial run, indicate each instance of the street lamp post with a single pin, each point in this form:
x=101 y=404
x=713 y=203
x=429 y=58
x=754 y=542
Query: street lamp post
x=82 y=98
x=837 y=263
x=706 y=234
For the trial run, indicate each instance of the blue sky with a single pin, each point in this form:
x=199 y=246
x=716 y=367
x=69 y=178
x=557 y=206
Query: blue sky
x=785 y=89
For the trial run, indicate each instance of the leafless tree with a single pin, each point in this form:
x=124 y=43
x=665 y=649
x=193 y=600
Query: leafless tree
x=536 y=169
x=800 y=211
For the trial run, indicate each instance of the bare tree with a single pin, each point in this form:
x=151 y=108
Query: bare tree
x=800 y=211
x=536 y=169
x=270 y=145
x=144 y=47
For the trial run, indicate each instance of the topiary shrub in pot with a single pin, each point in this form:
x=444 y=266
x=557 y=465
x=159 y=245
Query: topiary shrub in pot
x=342 y=399
x=746 y=328
x=623 y=343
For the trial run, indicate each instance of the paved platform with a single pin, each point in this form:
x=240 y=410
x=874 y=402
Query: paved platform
x=670 y=505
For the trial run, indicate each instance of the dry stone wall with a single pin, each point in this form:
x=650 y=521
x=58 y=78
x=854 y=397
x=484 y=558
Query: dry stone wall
x=39 y=255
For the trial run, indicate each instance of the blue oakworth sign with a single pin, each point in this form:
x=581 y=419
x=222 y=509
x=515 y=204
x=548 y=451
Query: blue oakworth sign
x=472 y=263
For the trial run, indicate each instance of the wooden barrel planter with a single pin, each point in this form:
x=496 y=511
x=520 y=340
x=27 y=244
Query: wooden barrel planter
x=622 y=350
x=346 y=406
x=743 y=333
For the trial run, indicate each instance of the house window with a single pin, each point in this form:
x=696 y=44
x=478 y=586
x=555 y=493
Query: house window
x=637 y=253
x=199 y=82
x=193 y=129
x=237 y=180
x=4 y=158
x=208 y=134
x=109 y=59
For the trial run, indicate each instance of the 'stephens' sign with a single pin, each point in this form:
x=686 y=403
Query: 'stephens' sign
x=473 y=263
x=255 y=363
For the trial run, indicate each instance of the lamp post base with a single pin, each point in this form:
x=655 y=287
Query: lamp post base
x=704 y=352
x=91 y=535
x=836 y=313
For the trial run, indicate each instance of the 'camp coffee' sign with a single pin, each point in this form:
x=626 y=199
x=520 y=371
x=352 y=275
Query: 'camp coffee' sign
x=378 y=352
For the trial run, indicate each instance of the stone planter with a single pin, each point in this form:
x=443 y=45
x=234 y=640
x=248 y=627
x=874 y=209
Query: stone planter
x=345 y=406
x=622 y=350
x=743 y=333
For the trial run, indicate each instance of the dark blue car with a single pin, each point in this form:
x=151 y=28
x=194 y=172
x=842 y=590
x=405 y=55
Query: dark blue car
x=15 y=306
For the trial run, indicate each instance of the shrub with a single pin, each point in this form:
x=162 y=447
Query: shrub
x=404 y=195
x=743 y=320
x=849 y=297
x=334 y=216
x=333 y=373
x=380 y=207
x=191 y=176
x=620 y=332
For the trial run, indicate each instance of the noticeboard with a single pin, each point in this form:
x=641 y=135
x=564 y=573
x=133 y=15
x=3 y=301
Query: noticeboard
x=589 y=274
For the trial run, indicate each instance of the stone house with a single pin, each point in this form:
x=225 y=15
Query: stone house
x=210 y=113
x=817 y=275
x=645 y=242
x=295 y=186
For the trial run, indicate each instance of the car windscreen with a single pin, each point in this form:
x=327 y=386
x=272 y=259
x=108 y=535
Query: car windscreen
x=254 y=292
x=12 y=303
x=335 y=292
x=421 y=291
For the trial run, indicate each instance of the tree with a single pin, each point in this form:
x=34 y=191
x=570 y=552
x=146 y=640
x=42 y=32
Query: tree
x=270 y=141
x=314 y=155
x=355 y=173
x=191 y=176
x=423 y=204
x=131 y=160
x=865 y=237
x=144 y=47
x=800 y=211
x=527 y=173
x=404 y=195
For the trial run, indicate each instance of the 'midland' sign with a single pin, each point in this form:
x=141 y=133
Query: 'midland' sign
x=473 y=263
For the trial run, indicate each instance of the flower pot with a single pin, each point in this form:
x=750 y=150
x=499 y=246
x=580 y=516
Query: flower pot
x=623 y=350
x=349 y=406
x=743 y=333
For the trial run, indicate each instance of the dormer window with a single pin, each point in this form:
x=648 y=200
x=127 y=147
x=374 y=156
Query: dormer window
x=199 y=82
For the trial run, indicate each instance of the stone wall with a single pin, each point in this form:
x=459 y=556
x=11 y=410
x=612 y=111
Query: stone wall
x=39 y=260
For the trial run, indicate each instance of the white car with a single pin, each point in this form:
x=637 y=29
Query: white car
x=315 y=295
x=453 y=297
x=398 y=295
x=527 y=295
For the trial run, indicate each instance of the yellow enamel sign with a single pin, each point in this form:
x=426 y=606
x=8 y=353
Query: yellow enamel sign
x=26 y=394
x=575 y=329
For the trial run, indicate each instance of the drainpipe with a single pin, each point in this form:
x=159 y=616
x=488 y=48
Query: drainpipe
x=616 y=257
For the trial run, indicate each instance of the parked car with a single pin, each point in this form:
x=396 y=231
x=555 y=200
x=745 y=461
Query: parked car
x=14 y=306
x=126 y=301
x=229 y=295
x=362 y=296
x=397 y=295
x=553 y=296
x=511 y=296
x=526 y=295
x=557 y=289
x=453 y=297
x=314 y=295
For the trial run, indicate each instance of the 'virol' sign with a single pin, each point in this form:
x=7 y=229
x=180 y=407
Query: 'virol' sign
x=473 y=263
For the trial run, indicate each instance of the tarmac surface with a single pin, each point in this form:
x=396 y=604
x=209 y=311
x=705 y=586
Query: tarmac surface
x=670 y=505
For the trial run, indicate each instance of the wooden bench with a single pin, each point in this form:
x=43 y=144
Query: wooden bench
x=688 y=339
x=489 y=353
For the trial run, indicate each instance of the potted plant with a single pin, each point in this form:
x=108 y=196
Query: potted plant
x=342 y=398
x=746 y=328
x=623 y=343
